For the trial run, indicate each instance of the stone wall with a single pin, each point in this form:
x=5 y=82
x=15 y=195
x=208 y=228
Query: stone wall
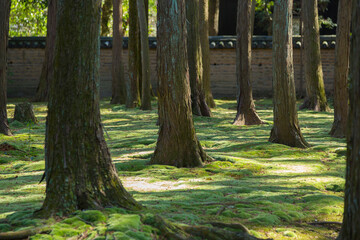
x=25 y=57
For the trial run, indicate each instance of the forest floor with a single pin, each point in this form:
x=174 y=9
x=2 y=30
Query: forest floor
x=274 y=190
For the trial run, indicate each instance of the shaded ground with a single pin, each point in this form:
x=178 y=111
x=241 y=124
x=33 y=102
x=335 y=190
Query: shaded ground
x=273 y=189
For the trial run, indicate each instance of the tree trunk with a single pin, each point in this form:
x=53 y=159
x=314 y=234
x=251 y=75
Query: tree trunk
x=198 y=103
x=133 y=85
x=47 y=71
x=214 y=17
x=246 y=113
x=177 y=144
x=118 y=78
x=145 y=60
x=105 y=17
x=4 y=31
x=205 y=49
x=286 y=129
x=78 y=168
x=253 y=6
x=315 y=91
x=350 y=228
x=342 y=52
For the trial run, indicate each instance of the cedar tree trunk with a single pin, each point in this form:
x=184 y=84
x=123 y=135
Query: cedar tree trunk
x=214 y=17
x=133 y=85
x=4 y=31
x=350 y=229
x=47 y=71
x=286 y=129
x=342 y=52
x=118 y=79
x=78 y=168
x=105 y=17
x=246 y=113
x=145 y=60
x=177 y=144
x=198 y=102
x=205 y=49
x=315 y=91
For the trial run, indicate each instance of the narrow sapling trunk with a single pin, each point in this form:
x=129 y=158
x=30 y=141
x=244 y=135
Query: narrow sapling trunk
x=342 y=52
x=78 y=168
x=246 y=113
x=4 y=31
x=105 y=17
x=118 y=78
x=286 y=129
x=214 y=17
x=315 y=91
x=350 y=229
x=145 y=60
x=177 y=144
x=47 y=71
x=198 y=102
x=205 y=50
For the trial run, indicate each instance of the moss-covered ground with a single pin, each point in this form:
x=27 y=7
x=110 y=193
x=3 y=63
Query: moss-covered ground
x=275 y=190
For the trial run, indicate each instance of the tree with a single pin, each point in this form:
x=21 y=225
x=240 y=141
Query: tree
x=118 y=78
x=198 y=103
x=105 y=17
x=47 y=71
x=145 y=60
x=214 y=17
x=351 y=221
x=342 y=52
x=246 y=113
x=286 y=129
x=177 y=143
x=78 y=168
x=315 y=91
x=205 y=50
x=4 y=31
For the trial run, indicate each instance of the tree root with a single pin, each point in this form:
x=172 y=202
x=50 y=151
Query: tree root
x=325 y=223
x=24 y=234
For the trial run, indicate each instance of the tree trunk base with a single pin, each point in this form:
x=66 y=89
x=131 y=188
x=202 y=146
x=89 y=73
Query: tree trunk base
x=249 y=117
x=200 y=108
x=338 y=129
x=5 y=129
x=292 y=138
x=210 y=101
x=315 y=105
x=24 y=112
x=117 y=100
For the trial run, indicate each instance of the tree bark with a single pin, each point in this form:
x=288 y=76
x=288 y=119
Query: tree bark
x=205 y=49
x=246 y=113
x=105 y=17
x=214 y=17
x=286 y=129
x=4 y=31
x=145 y=60
x=47 y=71
x=177 y=144
x=133 y=85
x=118 y=78
x=78 y=168
x=350 y=228
x=342 y=53
x=315 y=91
x=198 y=102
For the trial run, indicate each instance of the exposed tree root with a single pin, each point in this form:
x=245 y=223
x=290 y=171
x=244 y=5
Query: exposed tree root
x=325 y=223
x=315 y=105
x=24 y=234
x=338 y=129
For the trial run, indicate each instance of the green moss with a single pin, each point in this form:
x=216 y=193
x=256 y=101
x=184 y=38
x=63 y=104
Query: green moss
x=229 y=213
x=16 y=124
x=115 y=210
x=41 y=237
x=120 y=222
x=289 y=234
x=184 y=217
x=266 y=219
x=121 y=236
x=139 y=235
x=92 y=216
x=5 y=227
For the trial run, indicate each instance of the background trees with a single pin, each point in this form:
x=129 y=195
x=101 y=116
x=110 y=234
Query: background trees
x=79 y=172
x=4 y=30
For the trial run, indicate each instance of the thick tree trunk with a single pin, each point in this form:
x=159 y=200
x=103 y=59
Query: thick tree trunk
x=133 y=85
x=177 y=144
x=145 y=60
x=47 y=71
x=253 y=6
x=246 y=113
x=342 y=52
x=198 y=102
x=205 y=49
x=350 y=228
x=78 y=168
x=214 y=17
x=118 y=78
x=286 y=129
x=4 y=31
x=315 y=91
x=105 y=17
